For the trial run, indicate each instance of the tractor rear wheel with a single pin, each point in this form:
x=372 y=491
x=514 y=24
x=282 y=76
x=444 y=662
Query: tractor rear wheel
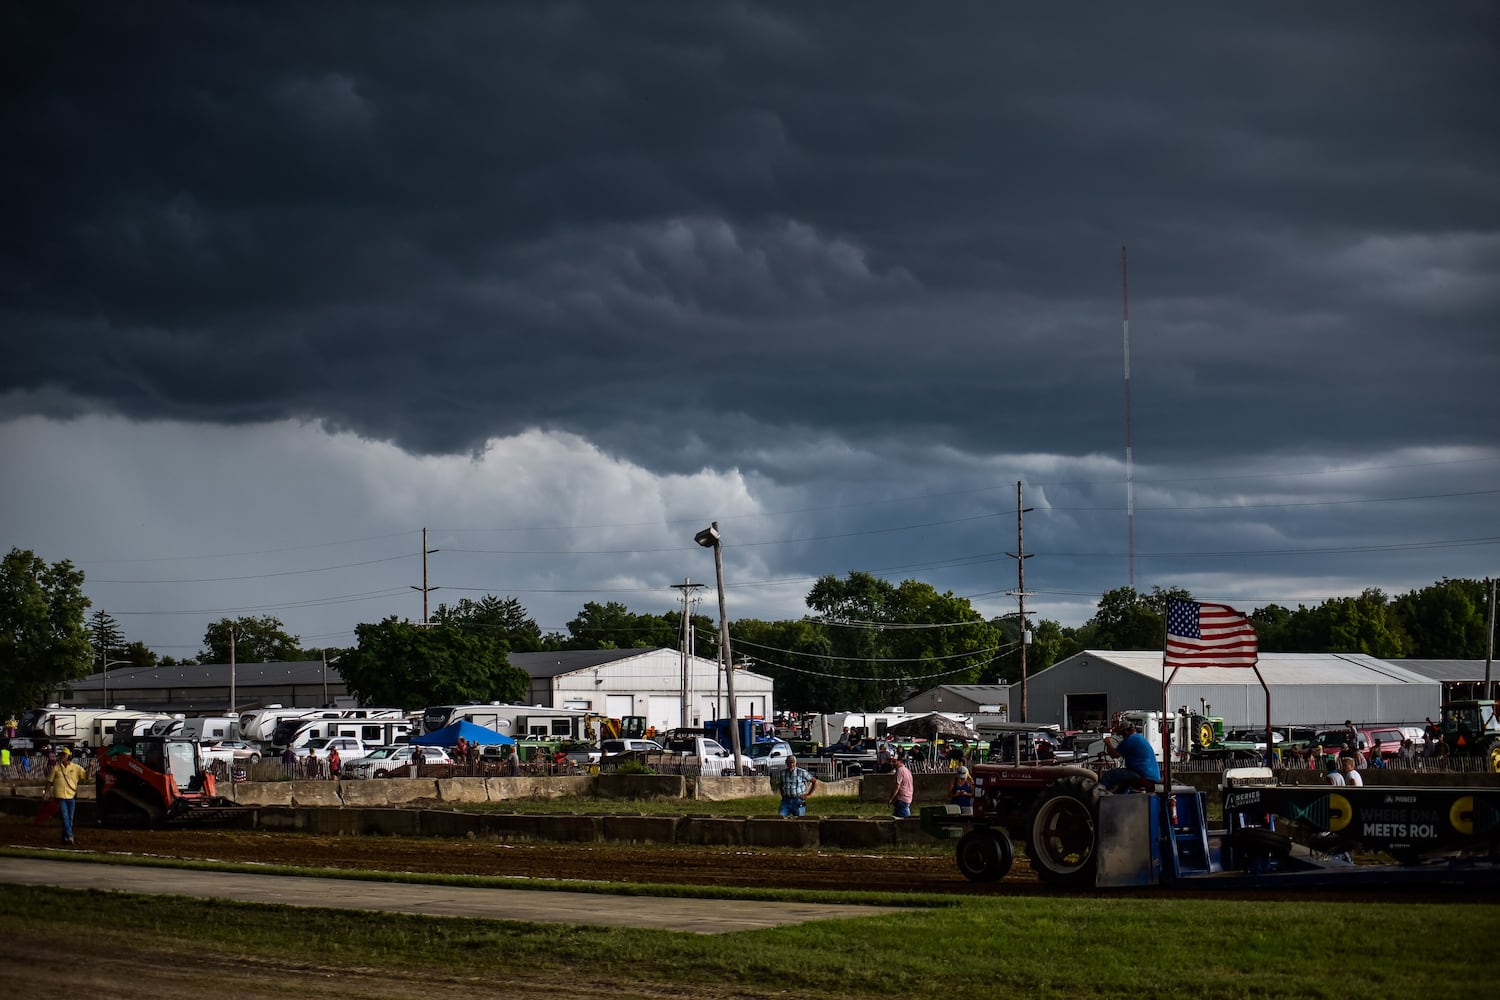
x=984 y=855
x=1063 y=846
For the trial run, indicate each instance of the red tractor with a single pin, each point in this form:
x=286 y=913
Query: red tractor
x=1054 y=809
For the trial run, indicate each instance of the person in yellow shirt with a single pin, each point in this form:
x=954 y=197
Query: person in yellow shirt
x=63 y=780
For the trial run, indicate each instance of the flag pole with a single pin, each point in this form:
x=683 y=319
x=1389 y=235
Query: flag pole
x=1166 y=730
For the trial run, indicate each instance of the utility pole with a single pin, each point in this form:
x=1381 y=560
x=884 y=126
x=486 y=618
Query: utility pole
x=687 y=586
x=231 y=671
x=1129 y=450
x=1489 y=653
x=425 y=588
x=1020 y=594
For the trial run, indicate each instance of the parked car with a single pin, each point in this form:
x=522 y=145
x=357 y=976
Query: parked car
x=349 y=748
x=613 y=748
x=1390 y=738
x=769 y=756
x=397 y=763
x=230 y=751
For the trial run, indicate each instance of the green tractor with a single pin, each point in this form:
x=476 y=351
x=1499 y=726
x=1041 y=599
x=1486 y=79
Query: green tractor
x=1199 y=733
x=1471 y=729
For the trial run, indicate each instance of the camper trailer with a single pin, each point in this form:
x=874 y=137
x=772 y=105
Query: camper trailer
x=258 y=725
x=519 y=721
x=372 y=727
x=83 y=727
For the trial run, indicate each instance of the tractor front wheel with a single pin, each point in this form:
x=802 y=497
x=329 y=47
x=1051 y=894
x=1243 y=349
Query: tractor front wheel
x=984 y=855
x=1492 y=756
x=1064 y=846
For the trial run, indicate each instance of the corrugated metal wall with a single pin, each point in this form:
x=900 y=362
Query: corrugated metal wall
x=1238 y=704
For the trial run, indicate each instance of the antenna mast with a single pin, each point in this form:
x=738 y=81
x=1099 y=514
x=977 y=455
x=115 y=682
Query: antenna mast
x=1129 y=455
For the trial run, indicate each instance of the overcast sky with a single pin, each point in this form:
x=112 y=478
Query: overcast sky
x=282 y=285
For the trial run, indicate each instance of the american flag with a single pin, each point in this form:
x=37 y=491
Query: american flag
x=1208 y=635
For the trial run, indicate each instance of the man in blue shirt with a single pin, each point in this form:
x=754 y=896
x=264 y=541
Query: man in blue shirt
x=1135 y=752
x=795 y=784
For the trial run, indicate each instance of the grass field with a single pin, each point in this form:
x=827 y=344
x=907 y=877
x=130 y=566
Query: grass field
x=1070 y=947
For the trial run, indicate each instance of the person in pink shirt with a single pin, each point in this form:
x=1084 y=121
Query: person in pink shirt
x=901 y=795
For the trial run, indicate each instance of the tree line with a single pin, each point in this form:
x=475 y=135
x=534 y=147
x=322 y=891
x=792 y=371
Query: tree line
x=866 y=642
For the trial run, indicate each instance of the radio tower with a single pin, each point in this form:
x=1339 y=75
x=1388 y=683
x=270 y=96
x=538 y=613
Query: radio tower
x=1129 y=456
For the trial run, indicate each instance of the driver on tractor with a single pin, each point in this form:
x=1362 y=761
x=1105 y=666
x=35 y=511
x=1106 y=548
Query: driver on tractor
x=1135 y=752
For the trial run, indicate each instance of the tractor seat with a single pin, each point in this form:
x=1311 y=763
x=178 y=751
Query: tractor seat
x=1138 y=785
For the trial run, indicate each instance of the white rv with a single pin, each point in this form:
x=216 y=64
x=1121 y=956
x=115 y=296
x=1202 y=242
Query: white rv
x=258 y=725
x=518 y=721
x=210 y=727
x=92 y=727
x=376 y=727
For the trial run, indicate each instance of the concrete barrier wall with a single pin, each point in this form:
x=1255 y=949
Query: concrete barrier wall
x=284 y=806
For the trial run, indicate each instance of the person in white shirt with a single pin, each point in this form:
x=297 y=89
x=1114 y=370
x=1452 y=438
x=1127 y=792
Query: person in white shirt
x=1347 y=765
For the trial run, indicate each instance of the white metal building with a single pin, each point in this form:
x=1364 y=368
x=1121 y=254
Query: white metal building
x=648 y=682
x=1306 y=689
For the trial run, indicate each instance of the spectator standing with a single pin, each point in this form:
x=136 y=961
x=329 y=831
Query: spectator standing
x=1407 y=755
x=63 y=779
x=289 y=761
x=5 y=760
x=1331 y=773
x=795 y=784
x=901 y=794
x=513 y=762
x=961 y=792
x=335 y=764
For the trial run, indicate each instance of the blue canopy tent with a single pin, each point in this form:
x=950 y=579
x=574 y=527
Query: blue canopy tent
x=448 y=736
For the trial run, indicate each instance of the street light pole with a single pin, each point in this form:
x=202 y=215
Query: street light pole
x=104 y=674
x=709 y=538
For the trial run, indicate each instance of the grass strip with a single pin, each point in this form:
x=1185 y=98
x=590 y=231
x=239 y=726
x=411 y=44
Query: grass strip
x=1073 y=948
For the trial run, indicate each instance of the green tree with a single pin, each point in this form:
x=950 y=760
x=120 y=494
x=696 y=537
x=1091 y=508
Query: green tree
x=106 y=636
x=256 y=640
x=1050 y=642
x=1365 y=624
x=43 y=641
x=400 y=664
x=890 y=640
x=1447 y=620
x=507 y=619
x=1273 y=628
x=794 y=654
x=1130 y=620
x=614 y=626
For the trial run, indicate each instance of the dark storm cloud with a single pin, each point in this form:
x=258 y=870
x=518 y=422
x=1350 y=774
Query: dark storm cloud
x=676 y=229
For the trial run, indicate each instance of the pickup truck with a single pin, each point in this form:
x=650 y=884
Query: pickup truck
x=349 y=748
x=702 y=754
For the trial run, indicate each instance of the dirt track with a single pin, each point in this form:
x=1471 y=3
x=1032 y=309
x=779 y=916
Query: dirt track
x=742 y=866
x=924 y=872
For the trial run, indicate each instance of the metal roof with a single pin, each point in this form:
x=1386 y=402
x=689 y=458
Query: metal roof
x=565 y=661
x=1276 y=668
x=210 y=675
x=1451 y=671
